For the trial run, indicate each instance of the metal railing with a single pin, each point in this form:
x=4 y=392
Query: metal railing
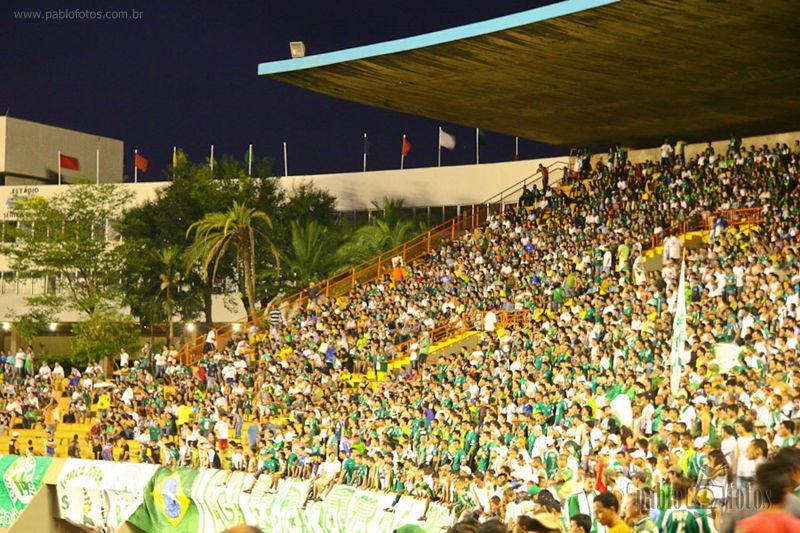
x=705 y=221
x=448 y=331
x=342 y=283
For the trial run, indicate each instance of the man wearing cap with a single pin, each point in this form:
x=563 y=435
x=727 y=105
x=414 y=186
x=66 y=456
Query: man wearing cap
x=637 y=509
x=698 y=459
x=13 y=444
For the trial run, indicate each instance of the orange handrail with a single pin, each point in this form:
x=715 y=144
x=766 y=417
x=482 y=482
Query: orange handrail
x=705 y=221
x=341 y=283
x=447 y=331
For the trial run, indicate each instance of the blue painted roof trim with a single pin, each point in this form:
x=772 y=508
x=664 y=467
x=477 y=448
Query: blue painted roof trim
x=430 y=39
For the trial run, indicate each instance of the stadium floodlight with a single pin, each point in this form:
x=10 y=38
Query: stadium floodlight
x=297 y=49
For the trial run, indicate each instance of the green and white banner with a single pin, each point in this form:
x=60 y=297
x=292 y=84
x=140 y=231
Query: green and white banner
x=22 y=477
x=187 y=500
x=99 y=494
x=676 y=361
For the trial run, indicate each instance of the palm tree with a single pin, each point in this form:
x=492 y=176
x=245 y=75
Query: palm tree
x=389 y=229
x=216 y=233
x=390 y=211
x=169 y=262
x=312 y=255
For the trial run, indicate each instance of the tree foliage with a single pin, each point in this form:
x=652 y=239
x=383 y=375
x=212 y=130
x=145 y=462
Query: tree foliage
x=195 y=192
x=237 y=230
x=30 y=323
x=71 y=238
x=388 y=230
x=103 y=334
x=312 y=255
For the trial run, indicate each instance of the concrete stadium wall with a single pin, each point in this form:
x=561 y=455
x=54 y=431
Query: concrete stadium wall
x=422 y=187
x=469 y=184
x=418 y=187
x=2 y=144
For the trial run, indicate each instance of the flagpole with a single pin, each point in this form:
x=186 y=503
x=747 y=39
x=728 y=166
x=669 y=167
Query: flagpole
x=477 y=146
x=285 y=160
x=516 y=148
x=59 y=167
x=364 y=165
x=403 y=152
x=439 y=158
x=97 y=167
x=135 y=166
x=211 y=160
x=174 y=160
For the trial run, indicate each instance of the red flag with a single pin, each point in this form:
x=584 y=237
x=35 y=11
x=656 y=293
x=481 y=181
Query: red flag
x=599 y=485
x=406 y=147
x=69 y=163
x=140 y=162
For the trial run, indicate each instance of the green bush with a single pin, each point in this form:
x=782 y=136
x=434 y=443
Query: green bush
x=103 y=335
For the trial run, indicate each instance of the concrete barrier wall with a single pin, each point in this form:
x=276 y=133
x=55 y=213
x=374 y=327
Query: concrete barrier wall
x=70 y=495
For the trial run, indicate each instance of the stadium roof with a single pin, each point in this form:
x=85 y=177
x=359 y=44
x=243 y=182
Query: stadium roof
x=585 y=72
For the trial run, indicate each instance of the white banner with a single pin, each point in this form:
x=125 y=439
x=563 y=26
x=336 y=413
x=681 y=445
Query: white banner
x=678 y=334
x=100 y=494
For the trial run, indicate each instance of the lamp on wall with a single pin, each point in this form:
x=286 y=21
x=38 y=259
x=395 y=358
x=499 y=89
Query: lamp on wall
x=297 y=49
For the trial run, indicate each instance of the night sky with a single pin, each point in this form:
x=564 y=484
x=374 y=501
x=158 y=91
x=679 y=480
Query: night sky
x=185 y=74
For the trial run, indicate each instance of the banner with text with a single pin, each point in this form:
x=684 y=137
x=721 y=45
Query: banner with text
x=101 y=494
x=22 y=477
x=187 y=500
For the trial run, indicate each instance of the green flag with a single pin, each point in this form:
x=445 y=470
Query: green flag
x=167 y=506
x=21 y=479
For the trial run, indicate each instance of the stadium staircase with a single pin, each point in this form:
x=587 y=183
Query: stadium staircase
x=64 y=434
x=339 y=285
x=695 y=230
x=64 y=431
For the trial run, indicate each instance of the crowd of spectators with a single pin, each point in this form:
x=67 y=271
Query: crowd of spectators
x=524 y=429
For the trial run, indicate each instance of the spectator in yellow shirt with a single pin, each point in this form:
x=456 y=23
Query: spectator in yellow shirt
x=606 y=512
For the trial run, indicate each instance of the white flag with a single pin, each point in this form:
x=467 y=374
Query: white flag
x=446 y=140
x=678 y=334
x=621 y=408
x=726 y=356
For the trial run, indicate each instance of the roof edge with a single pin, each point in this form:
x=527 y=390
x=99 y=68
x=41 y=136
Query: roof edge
x=568 y=7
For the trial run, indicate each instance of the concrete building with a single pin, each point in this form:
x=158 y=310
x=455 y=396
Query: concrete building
x=34 y=154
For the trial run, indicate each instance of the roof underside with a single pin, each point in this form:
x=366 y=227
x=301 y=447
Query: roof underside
x=631 y=71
